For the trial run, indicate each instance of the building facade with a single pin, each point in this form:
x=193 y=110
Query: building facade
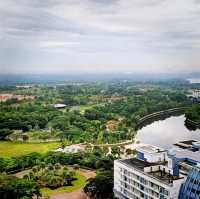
x=191 y=188
x=157 y=173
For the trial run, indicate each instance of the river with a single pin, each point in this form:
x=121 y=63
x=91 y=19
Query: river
x=165 y=133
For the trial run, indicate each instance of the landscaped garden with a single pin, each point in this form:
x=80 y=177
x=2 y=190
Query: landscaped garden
x=78 y=182
x=54 y=179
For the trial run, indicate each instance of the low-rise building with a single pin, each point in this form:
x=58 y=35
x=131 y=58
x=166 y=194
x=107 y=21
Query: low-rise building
x=75 y=148
x=59 y=106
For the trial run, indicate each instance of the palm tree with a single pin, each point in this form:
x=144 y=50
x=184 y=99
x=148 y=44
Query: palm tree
x=57 y=166
x=42 y=165
x=55 y=182
x=50 y=167
x=34 y=169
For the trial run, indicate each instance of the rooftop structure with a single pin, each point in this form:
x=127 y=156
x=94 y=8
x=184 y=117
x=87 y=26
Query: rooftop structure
x=182 y=154
x=72 y=148
x=151 y=153
x=155 y=170
x=147 y=148
x=60 y=106
x=185 y=144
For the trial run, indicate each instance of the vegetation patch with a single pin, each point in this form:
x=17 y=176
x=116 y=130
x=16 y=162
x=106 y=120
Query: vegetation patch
x=193 y=114
x=91 y=111
x=55 y=178
x=112 y=125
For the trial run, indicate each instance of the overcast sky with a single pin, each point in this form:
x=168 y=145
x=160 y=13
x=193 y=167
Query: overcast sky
x=98 y=36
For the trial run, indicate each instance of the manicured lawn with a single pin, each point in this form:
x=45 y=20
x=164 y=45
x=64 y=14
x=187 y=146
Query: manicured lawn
x=77 y=184
x=13 y=149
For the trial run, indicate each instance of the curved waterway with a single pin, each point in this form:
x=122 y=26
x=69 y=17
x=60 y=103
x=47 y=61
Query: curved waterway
x=165 y=133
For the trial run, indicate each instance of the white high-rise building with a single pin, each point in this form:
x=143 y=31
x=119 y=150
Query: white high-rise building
x=146 y=176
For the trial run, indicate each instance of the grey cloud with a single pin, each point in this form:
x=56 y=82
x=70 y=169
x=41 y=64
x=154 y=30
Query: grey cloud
x=112 y=33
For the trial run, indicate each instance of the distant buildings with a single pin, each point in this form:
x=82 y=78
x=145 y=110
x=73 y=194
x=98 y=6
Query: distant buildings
x=4 y=97
x=195 y=95
x=158 y=173
x=26 y=86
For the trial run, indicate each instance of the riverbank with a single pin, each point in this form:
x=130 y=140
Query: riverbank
x=193 y=123
x=193 y=116
x=165 y=114
x=164 y=133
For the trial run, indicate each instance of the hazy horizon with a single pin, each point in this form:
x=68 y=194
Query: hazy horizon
x=99 y=37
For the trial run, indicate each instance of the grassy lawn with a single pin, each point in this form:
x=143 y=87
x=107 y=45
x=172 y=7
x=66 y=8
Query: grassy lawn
x=83 y=108
x=77 y=184
x=13 y=149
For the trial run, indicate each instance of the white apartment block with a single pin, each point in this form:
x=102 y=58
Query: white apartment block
x=146 y=176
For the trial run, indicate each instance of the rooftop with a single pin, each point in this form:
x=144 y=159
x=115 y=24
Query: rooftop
x=147 y=148
x=185 y=144
x=186 y=154
x=139 y=164
x=59 y=105
x=161 y=174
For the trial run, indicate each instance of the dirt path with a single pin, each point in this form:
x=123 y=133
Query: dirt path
x=22 y=173
x=78 y=194
x=87 y=173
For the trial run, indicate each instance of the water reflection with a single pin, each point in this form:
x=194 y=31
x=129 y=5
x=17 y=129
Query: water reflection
x=165 y=133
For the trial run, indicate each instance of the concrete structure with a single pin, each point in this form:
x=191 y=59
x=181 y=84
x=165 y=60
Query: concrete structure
x=72 y=148
x=157 y=173
x=60 y=106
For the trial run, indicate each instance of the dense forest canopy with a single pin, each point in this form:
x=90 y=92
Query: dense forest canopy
x=89 y=110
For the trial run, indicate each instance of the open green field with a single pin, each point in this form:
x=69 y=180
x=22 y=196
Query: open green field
x=83 y=108
x=77 y=184
x=13 y=149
